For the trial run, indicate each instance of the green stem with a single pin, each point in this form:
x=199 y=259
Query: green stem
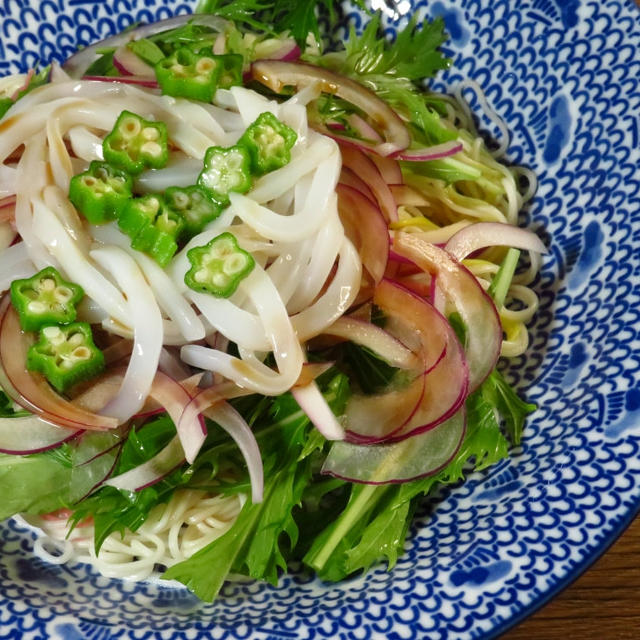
x=343 y=524
x=501 y=282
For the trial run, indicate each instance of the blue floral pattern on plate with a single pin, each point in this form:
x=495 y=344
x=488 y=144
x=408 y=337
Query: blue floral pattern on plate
x=565 y=77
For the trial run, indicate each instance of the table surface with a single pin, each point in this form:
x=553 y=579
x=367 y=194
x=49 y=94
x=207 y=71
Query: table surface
x=603 y=604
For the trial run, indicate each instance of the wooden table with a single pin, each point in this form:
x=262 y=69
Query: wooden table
x=603 y=604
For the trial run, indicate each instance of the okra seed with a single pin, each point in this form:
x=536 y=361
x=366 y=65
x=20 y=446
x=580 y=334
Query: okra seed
x=81 y=353
x=35 y=306
x=47 y=284
x=76 y=339
x=89 y=181
x=205 y=65
x=150 y=133
x=202 y=275
x=180 y=200
x=130 y=128
x=220 y=279
x=51 y=333
x=234 y=263
x=151 y=148
x=63 y=294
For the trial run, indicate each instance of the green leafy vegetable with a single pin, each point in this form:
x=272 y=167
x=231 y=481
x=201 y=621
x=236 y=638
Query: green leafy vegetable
x=375 y=521
x=146 y=50
x=255 y=545
x=45 y=482
x=298 y=18
x=115 y=510
x=8 y=409
x=103 y=66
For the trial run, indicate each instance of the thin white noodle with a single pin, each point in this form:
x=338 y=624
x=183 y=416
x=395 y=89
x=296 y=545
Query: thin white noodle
x=172 y=533
x=488 y=111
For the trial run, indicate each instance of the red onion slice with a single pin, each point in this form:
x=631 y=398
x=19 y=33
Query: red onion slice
x=224 y=415
x=129 y=64
x=313 y=403
x=389 y=169
x=79 y=62
x=422 y=455
x=492 y=234
x=366 y=228
x=141 y=81
x=277 y=75
x=151 y=471
x=350 y=179
x=415 y=323
x=175 y=399
x=381 y=342
x=30 y=390
x=436 y=152
x=463 y=294
x=444 y=383
x=30 y=434
x=363 y=128
x=364 y=167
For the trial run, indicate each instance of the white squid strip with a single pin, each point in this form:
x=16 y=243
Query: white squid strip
x=8 y=179
x=75 y=264
x=236 y=324
x=323 y=256
x=335 y=301
x=250 y=105
x=229 y=120
x=172 y=337
x=277 y=182
x=13 y=255
x=30 y=179
x=22 y=126
x=284 y=344
x=147 y=332
x=56 y=199
x=286 y=270
x=22 y=269
x=59 y=159
x=299 y=225
x=180 y=171
x=200 y=117
x=167 y=295
x=295 y=116
x=85 y=144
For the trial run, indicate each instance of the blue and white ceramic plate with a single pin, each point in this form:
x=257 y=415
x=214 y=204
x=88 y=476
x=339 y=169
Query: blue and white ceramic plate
x=565 y=77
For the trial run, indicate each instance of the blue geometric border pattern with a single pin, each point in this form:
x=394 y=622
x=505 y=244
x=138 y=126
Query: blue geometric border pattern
x=564 y=75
